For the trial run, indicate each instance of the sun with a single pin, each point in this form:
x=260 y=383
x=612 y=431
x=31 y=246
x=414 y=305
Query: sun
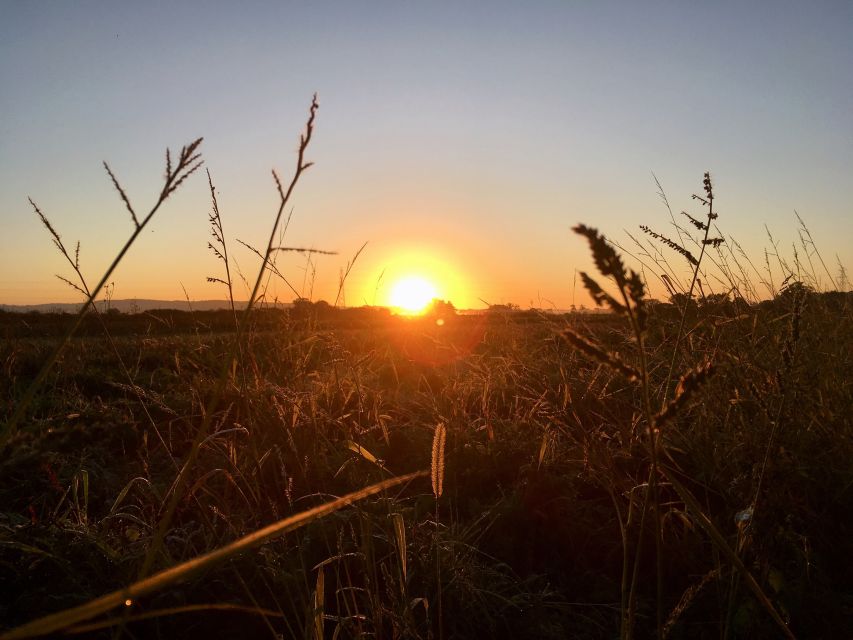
x=412 y=294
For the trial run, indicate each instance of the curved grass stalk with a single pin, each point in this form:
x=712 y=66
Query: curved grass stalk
x=172 y=611
x=124 y=597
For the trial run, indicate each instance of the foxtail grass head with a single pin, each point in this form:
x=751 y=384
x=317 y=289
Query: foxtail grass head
x=437 y=466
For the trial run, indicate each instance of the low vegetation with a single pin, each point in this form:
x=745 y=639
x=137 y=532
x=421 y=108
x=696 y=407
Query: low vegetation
x=673 y=470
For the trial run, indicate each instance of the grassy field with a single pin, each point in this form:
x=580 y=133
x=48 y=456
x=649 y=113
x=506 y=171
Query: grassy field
x=671 y=470
x=539 y=531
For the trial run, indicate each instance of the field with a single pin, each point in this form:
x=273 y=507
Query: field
x=542 y=528
x=677 y=469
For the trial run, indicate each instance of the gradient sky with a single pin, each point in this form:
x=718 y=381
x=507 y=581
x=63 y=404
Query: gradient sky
x=461 y=139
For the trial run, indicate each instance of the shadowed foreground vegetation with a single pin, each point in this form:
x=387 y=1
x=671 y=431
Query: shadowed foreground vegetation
x=542 y=457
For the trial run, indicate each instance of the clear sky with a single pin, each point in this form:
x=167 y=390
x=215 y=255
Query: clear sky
x=461 y=140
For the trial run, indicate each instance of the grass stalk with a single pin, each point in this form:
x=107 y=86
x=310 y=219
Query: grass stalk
x=709 y=202
x=125 y=597
x=201 y=433
x=188 y=162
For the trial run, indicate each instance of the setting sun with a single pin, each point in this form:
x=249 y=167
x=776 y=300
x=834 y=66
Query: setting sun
x=406 y=277
x=412 y=294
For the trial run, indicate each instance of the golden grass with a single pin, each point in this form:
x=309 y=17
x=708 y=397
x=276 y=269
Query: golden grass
x=125 y=597
x=553 y=429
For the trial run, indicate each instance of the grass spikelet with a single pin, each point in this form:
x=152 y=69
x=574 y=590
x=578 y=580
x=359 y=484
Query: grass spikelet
x=607 y=261
x=600 y=296
x=57 y=240
x=319 y=603
x=437 y=466
x=400 y=537
x=188 y=163
x=609 y=264
x=672 y=244
x=686 y=599
x=320 y=252
x=687 y=386
x=123 y=195
x=598 y=353
x=696 y=223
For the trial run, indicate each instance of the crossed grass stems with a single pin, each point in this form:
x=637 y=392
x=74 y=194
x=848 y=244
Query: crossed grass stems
x=189 y=162
x=630 y=302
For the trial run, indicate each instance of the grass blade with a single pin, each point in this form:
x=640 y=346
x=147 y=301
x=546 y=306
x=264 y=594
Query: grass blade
x=64 y=619
x=717 y=538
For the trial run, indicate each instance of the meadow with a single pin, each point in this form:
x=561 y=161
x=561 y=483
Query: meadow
x=678 y=469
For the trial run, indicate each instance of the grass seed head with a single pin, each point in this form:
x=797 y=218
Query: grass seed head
x=437 y=466
x=601 y=355
x=689 y=383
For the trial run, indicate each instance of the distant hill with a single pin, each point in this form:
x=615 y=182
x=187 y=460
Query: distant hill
x=130 y=306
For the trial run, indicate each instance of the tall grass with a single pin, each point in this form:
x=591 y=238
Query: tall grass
x=184 y=571
x=180 y=483
x=659 y=470
x=189 y=161
x=632 y=305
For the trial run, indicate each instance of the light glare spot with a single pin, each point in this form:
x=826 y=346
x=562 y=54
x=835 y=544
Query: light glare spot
x=412 y=294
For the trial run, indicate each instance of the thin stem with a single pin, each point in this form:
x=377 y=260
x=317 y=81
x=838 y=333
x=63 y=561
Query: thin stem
x=189 y=162
x=181 y=480
x=653 y=472
x=680 y=333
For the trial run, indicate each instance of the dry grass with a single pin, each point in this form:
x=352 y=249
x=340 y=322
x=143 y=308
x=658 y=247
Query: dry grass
x=589 y=473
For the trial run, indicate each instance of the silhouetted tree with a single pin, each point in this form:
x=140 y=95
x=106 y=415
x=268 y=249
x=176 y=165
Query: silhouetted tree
x=440 y=309
x=681 y=299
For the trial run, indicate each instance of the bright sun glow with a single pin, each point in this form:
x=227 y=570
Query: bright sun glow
x=412 y=294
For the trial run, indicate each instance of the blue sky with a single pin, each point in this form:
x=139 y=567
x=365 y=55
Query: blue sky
x=466 y=137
